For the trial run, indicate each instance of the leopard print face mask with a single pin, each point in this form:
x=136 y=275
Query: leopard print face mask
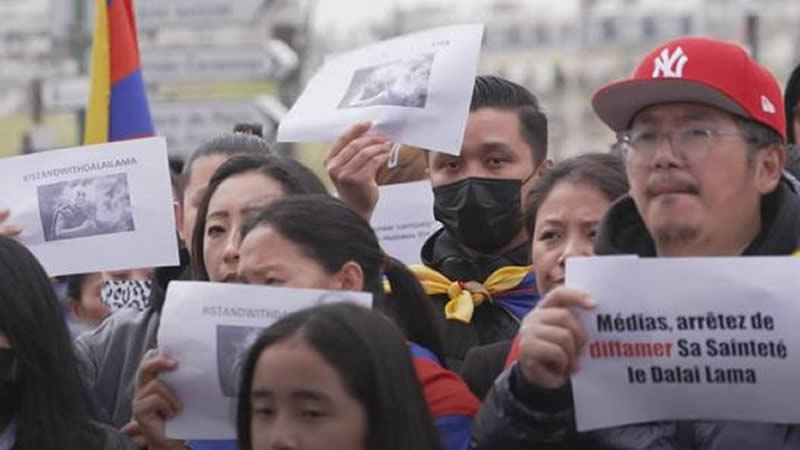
x=128 y=294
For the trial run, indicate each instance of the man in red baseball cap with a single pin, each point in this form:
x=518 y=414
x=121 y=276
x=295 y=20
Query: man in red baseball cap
x=702 y=127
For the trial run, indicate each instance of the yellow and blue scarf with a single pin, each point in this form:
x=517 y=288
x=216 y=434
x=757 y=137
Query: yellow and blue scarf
x=513 y=287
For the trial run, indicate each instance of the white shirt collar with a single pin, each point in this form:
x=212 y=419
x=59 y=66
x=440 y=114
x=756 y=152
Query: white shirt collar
x=9 y=436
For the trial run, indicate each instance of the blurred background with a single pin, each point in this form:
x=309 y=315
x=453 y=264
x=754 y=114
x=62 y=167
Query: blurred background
x=209 y=64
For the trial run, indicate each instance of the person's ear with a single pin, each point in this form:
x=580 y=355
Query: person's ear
x=769 y=164
x=350 y=277
x=546 y=165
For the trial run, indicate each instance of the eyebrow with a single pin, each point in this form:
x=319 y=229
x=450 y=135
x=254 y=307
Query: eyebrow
x=261 y=394
x=247 y=210
x=491 y=146
x=218 y=215
x=301 y=394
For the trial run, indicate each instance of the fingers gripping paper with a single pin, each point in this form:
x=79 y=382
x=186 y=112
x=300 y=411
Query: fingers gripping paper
x=415 y=89
x=208 y=328
x=687 y=339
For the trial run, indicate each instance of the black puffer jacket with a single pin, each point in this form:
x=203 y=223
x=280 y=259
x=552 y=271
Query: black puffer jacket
x=491 y=322
x=518 y=415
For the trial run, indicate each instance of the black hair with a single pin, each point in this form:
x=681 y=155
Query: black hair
x=293 y=177
x=55 y=411
x=790 y=98
x=246 y=139
x=75 y=285
x=305 y=177
x=602 y=171
x=793 y=161
x=332 y=234
x=758 y=136
x=373 y=361
x=496 y=92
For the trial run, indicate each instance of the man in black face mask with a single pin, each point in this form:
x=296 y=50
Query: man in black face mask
x=477 y=266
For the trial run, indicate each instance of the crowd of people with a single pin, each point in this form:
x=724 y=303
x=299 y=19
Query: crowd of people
x=473 y=349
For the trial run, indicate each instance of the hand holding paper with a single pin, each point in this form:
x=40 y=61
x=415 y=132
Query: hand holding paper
x=353 y=165
x=155 y=402
x=551 y=337
x=208 y=329
x=415 y=89
x=7 y=229
x=687 y=339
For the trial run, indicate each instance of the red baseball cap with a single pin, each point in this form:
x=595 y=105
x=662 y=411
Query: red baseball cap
x=696 y=70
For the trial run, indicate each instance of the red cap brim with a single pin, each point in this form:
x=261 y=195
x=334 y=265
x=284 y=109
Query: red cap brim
x=617 y=103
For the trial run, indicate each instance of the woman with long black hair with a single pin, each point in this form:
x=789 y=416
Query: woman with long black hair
x=43 y=403
x=311 y=241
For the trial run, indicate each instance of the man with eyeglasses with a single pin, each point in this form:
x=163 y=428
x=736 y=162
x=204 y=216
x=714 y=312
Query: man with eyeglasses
x=702 y=129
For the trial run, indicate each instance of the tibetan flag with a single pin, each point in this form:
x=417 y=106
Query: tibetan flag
x=452 y=404
x=118 y=108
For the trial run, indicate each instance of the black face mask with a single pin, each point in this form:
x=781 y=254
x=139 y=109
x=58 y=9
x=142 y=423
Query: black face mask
x=481 y=213
x=10 y=394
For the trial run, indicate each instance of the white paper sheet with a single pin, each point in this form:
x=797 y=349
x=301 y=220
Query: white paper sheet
x=207 y=328
x=94 y=208
x=403 y=219
x=660 y=341
x=415 y=89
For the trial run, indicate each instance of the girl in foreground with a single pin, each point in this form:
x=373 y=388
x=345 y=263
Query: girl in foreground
x=332 y=377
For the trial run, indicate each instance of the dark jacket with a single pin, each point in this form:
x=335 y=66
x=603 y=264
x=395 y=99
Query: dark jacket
x=483 y=365
x=491 y=322
x=114 y=440
x=109 y=356
x=100 y=437
x=517 y=415
x=790 y=98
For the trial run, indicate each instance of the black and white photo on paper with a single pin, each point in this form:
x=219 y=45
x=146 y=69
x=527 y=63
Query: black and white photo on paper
x=403 y=82
x=233 y=342
x=86 y=207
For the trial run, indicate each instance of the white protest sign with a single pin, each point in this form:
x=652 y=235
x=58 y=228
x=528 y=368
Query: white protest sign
x=403 y=219
x=94 y=208
x=688 y=339
x=208 y=328
x=415 y=89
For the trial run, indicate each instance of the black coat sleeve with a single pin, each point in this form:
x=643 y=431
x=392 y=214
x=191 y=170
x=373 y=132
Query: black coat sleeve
x=518 y=415
x=482 y=366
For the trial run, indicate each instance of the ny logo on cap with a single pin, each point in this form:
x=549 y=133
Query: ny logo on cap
x=767 y=105
x=670 y=65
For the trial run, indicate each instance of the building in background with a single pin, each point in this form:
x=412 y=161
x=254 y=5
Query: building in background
x=208 y=64
x=211 y=63
x=564 y=50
